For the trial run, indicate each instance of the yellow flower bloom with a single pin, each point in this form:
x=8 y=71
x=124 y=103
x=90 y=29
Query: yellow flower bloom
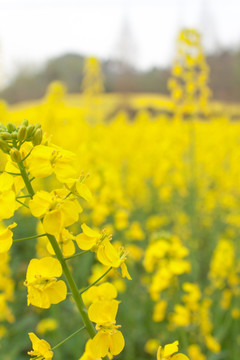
x=108 y=338
x=151 y=346
x=6 y=238
x=41 y=348
x=102 y=312
x=159 y=311
x=44 y=160
x=79 y=188
x=105 y=291
x=7 y=196
x=108 y=255
x=65 y=241
x=48 y=324
x=88 y=355
x=56 y=210
x=88 y=238
x=42 y=284
x=194 y=352
x=168 y=352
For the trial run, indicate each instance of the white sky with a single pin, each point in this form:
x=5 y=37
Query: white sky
x=32 y=31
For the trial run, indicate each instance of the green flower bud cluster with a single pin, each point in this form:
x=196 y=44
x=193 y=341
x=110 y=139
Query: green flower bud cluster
x=12 y=137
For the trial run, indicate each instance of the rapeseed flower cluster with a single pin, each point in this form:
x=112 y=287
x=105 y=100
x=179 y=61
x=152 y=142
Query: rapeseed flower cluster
x=57 y=211
x=160 y=201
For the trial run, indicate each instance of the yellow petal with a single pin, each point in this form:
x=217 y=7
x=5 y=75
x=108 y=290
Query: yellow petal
x=107 y=254
x=89 y=232
x=6 y=238
x=170 y=349
x=57 y=292
x=102 y=312
x=70 y=212
x=47 y=267
x=38 y=298
x=125 y=272
x=84 y=191
x=100 y=345
x=53 y=222
x=40 y=203
x=179 y=356
x=85 y=242
x=116 y=343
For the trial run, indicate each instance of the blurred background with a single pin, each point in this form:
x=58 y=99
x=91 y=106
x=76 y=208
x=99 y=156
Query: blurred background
x=47 y=40
x=146 y=94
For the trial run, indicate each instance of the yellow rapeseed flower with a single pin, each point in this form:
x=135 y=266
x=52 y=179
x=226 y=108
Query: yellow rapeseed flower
x=168 y=352
x=56 y=210
x=6 y=238
x=88 y=238
x=44 y=160
x=108 y=338
x=7 y=196
x=42 y=284
x=41 y=348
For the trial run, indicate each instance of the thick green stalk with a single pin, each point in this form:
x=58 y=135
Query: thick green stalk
x=72 y=285
x=74 y=290
x=25 y=178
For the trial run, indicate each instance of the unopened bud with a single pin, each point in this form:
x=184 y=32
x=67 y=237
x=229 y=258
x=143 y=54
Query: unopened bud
x=6 y=136
x=14 y=135
x=25 y=123
x=30 y=130
x=11 y=127
x=37 y=137
x=22 y=132
x=37 y=126
x=4 y=146
x=15 y=155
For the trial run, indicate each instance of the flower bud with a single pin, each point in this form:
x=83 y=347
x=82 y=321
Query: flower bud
x=11 y=127
x=14 y=135
x=22 y=132
x=25 y=123
x=37 y=137
x=37 y=126
x=15 y=155
x=30 y=130
x=4 y=146
x=6 y=136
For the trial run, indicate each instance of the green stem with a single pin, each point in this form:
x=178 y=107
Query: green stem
x=68 y=338
x=74 y=290
x=27 y=155
x=73 y=287
x=77 y=254
x=20 y=202
x=23 y=196
x=68 y=195
x=10 y=173
x=30 y=237
x=25 y=178
x=95 y=282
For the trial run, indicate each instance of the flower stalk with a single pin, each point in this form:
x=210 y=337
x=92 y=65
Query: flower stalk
x=70 y=280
